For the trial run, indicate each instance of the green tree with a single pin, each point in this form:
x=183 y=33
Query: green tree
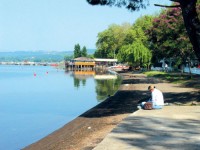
x=90 y=56
x=68 y=58
x=110 y=41
x=168 y=37
x=140 y=26
x=135 y=46
x=135 y=54
x=189 y=13
x=84 y=52
x=77 y=51
x=138 y=30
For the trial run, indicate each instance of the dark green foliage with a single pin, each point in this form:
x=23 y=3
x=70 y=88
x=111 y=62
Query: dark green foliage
x=77 y=51
x=84 y=52
x=111 y=40
x=168 y=37
x=189 y=14
x=132 y=5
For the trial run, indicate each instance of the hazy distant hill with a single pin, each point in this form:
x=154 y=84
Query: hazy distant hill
x=38 y=56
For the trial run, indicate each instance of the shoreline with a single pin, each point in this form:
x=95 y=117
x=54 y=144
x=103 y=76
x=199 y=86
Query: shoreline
x=101 y=118
x=90 y=128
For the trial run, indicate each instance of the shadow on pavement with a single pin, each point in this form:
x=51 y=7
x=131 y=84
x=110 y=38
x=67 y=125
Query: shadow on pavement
x=124 y=102
x=159 y=133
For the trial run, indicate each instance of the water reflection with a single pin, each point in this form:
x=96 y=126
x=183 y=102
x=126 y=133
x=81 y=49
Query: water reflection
x=106 y=83
x=107 y=87
x=81 y=76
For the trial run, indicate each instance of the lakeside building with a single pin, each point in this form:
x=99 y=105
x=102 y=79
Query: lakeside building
x=84 y=63
x=105 y=62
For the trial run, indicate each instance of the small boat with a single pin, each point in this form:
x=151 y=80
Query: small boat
x=119 y=67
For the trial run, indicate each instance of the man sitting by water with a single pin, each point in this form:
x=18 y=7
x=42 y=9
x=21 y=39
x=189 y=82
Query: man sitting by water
x=156 y=99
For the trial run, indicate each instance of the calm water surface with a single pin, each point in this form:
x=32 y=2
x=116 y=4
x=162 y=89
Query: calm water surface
x=37 y=100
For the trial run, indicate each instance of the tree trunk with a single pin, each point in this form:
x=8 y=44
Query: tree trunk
x=192 y=23
x=189 y=65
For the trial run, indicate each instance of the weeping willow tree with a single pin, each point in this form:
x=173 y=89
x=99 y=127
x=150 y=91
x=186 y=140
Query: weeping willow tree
x=135 y=54
x=135 y=51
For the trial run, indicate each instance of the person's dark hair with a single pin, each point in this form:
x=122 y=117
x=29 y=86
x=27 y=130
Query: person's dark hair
x=151 y=87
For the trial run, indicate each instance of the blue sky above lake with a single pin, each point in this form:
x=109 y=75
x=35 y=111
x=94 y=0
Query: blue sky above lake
x=57 y=25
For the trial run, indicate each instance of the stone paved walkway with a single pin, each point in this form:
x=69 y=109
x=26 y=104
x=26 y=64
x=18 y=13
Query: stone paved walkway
x=173 y=127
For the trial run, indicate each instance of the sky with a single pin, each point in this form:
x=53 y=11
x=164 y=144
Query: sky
x=57 y=25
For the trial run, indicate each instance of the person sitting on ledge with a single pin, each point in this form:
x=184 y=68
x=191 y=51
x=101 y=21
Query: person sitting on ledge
x=156 y=99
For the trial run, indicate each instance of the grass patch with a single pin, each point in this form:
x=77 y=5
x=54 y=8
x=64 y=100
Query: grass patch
x=171 y=76
x=154 y=73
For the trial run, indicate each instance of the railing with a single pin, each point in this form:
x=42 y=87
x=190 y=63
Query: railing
x=84 y=63
x=193 y=70
x=168 y=69
x=186 y=69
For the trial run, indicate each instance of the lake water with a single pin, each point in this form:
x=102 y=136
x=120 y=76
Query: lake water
x=37 y=100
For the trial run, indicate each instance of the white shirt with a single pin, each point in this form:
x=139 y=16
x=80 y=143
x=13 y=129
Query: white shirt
x=157 y=97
